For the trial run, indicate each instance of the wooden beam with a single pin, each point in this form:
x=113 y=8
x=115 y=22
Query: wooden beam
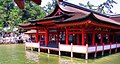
x=105 y=25
x=46 y=22
x=74 y=29
x=58 y=12
x=75 y=32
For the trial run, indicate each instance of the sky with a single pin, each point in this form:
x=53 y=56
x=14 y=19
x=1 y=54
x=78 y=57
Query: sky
x=115 y=9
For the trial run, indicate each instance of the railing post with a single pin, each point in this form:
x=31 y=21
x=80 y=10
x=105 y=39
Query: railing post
x=71 y=50
x=48 y=51
x=86 y=55
x=103 y=50
x=38 y=47
x=116 y=48
x=25 y=46
x=59 y=49
x=31 y=47
x=110 y=48
x=95 y=55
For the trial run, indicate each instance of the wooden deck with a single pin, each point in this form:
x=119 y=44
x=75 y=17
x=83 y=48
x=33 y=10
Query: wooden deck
x=77 y=48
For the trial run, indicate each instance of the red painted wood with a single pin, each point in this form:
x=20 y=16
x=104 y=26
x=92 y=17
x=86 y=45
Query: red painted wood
x=46 y=22
x=110 y=45
x=46 y=37
x=83 y=36
x=36 y=36
x=104 y=25
x=60 y=0
x=59 y=12
x=116 y=45
x=20 y=3
x=78 y=43
x=67 y=37
x=29 y=27
x=38 y=2
x=75 y=32
x=103 y=47
x=96 y=48
x=74 y=29
x=93 y=39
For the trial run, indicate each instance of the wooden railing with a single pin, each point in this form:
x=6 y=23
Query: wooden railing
x=79 y=48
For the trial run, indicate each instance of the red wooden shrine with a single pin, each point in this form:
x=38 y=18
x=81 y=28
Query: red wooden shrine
x=76 y=28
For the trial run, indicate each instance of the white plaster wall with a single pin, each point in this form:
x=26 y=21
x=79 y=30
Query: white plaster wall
x=99 y=48
x=28 y=44
x=79 y=49
x=36 y=45
x=113 y=46
x=65 y=47
x=91 y=49
x=106 y=47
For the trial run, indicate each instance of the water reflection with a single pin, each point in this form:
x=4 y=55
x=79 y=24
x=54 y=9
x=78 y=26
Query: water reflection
x=70 y=61
x=32 y=56
x=44 y=58
x=16 y=54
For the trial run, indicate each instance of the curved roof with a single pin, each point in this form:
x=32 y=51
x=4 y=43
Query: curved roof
x=75 y=13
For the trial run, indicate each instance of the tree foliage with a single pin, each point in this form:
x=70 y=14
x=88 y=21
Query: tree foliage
x=11 y=15
x=108 y=4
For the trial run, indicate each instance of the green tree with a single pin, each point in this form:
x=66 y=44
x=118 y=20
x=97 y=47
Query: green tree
x=11 y=15
x=100 y=8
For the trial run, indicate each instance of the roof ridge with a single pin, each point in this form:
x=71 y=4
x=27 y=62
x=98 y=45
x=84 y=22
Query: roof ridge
x=83 y=8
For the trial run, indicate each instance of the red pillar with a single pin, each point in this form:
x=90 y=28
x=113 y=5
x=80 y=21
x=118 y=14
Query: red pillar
x=83 y=36
x=93 y=39
x=37 y=36
x=67 y=37
x=46 y=37
x=78 y=42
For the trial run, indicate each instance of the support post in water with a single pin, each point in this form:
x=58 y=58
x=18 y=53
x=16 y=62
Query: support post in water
x=59 y=49
x=48 y=51
x=95 y=55
x=116 y=48
x=103 y=50
x=71 y=50
x=39 y=49
x=86 y=55
x=110 y=48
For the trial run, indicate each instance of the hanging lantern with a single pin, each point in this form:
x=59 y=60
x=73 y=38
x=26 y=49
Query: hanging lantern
x=99 y=36
x=106 y=36
x=20 y=3
x=38 y=2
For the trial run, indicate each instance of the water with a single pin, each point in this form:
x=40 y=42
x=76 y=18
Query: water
x=16 y=54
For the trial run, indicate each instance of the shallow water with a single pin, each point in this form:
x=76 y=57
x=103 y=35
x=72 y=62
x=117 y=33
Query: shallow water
x=16 y=54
